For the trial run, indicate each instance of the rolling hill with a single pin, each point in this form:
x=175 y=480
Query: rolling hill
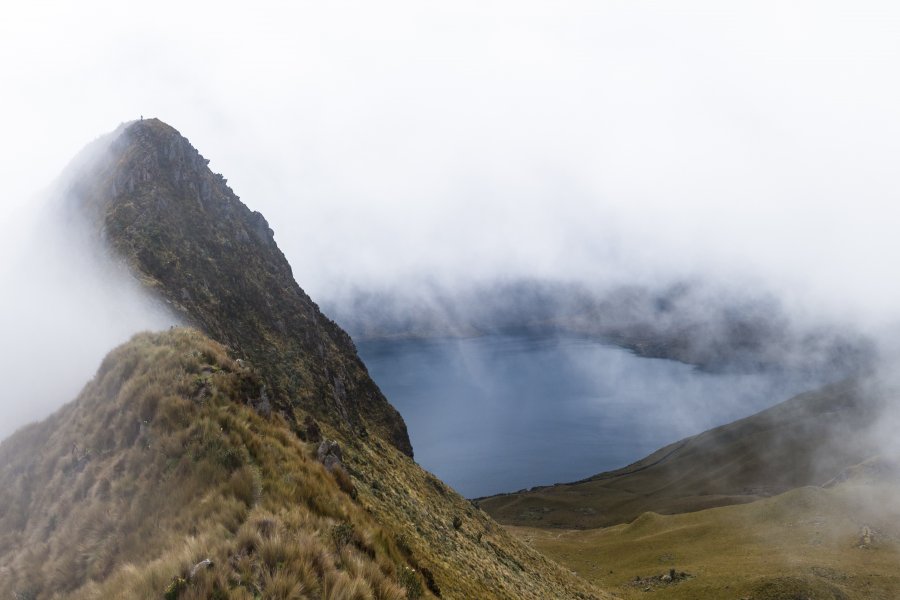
x=816 y=544
x=807 y=440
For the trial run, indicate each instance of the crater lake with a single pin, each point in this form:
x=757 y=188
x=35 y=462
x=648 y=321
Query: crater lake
x=504 y=412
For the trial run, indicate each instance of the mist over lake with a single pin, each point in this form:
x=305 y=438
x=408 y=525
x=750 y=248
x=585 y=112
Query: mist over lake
x=500 y=413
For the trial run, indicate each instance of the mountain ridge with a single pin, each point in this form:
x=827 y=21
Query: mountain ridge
x=268 y=462
x=215 y=263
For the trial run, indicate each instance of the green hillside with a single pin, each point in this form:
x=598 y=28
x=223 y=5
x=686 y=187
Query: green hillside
x=809 y=543
x=807 y=440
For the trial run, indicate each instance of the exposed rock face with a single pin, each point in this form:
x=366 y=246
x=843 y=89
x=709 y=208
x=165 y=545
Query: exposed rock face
x=196 y=245
x=329 y=454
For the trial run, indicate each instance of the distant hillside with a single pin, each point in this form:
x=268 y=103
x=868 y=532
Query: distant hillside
x=807 y=440
x=809 y=544
x=692 y=322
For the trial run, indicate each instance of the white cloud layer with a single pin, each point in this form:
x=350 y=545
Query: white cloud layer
x=592 y=140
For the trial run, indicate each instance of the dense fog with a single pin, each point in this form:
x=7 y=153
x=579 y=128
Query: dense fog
x=388 y=144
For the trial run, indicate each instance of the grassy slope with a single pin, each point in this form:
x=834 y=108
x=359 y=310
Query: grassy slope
x=801 y=544
x=160 y=463
x=807 y=440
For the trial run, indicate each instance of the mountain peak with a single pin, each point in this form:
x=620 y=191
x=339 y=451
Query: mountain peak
x=190 y=239
x=188 y=467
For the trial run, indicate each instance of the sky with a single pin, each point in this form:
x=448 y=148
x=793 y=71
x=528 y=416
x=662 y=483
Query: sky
x=756 y=143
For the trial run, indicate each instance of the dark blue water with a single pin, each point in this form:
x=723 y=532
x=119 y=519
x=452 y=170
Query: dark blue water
x=501 y=413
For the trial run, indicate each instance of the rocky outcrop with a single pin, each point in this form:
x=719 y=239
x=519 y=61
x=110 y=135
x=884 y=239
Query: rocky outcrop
x=329 y=454
x=191 y=240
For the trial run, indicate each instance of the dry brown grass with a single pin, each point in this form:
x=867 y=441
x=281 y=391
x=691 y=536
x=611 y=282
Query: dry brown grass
x=160 y=463
x=184 y=458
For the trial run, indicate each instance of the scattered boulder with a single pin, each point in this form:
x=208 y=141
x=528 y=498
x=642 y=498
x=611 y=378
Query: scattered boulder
x=263 y=405
x=329 y=454
x=649 y=583
x=202 y=565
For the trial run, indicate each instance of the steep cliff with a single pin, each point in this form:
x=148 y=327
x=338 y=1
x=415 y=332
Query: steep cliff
x=215 y=262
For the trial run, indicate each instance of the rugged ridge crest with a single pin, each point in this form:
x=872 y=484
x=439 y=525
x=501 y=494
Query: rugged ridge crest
x=215 y=262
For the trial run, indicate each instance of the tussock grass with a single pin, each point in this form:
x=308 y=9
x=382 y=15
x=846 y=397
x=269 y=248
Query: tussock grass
x=159 y=465
x=164 y=440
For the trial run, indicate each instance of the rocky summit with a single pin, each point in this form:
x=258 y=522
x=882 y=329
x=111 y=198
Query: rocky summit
x=190 y=239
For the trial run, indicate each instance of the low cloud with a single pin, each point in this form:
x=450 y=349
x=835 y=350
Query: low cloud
x=603 y=143
x=66 y=304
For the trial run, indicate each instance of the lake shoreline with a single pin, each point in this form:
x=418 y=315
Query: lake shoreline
x=496 y=413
